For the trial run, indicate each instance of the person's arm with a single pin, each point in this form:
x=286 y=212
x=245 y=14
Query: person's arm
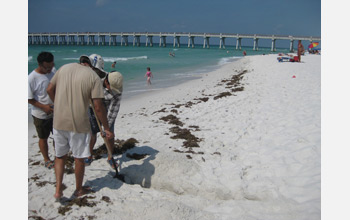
x=45 y=107
x=101 y=114
x=51 y=91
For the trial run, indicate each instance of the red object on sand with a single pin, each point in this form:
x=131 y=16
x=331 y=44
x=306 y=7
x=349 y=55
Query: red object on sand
x=294 y=76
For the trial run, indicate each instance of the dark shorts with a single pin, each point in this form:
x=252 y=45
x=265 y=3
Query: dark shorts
x=43 y=127
x=93 y=123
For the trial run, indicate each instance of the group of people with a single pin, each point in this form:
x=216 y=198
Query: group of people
x=291 y=58
x=65 y=103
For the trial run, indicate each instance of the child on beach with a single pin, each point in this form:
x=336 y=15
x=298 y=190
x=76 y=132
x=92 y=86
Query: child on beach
x=149 y=75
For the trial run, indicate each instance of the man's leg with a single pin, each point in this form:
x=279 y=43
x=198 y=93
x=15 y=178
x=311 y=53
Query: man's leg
x=79 y=177
x=59 y=171
x=43 y=128
x=44 y=149
x=111 y=144
x=92 y=143
x=80 y=149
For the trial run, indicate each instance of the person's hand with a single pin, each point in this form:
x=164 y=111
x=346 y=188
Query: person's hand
x=48 y=109
x=108 y=134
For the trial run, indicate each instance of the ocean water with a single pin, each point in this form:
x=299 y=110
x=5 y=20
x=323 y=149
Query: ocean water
x=132 y=62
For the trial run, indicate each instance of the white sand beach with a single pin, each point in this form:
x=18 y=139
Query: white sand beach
x=247 y=146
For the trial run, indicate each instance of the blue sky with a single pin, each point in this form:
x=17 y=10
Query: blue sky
x=280 y=17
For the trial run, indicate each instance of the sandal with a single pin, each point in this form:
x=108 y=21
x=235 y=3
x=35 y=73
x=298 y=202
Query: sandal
x=110 y=162
x=49 y=164
x=87 y=161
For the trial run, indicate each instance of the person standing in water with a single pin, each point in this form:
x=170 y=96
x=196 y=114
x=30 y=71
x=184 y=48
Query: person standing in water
x=149 y=75
x=113 y=64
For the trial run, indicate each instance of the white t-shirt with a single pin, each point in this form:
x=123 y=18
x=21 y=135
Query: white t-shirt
x=37 y=85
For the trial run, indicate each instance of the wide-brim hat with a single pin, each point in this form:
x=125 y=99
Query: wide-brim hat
x=115 y=80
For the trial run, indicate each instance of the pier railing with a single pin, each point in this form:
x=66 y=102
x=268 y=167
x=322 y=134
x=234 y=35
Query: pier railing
x=88 y=38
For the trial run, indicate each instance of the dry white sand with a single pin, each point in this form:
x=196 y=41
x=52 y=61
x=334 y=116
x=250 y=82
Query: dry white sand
x=259 y=154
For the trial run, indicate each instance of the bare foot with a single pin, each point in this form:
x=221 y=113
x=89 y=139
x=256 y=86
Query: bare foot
x=58 y=196
x=85 y=190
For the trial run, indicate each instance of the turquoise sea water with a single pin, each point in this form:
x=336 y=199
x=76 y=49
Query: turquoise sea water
x=132 y=62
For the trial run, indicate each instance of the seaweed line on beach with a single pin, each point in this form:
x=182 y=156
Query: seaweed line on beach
x=234 y=83
x=120 y=147
x=182 y=133
x=80 y=201
x=192 y=141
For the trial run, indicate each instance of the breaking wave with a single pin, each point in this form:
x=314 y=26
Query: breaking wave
x=112 y=59
x=225 y=60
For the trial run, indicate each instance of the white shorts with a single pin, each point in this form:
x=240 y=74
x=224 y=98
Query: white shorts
x=78 y=143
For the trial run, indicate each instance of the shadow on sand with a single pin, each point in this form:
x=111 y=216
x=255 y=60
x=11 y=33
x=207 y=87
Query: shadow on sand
x=139 y=173
x=134 y=174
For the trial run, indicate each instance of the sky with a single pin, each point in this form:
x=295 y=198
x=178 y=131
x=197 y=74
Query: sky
x=278 y=17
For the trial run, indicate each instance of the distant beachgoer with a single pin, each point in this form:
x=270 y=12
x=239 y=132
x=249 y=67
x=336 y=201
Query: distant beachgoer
x=42 y=110
x=71 y=89
x=172 y=54
x=301 y=50
x=288 y=59
x=113 y=64
x=244 y=53
x=149 y=75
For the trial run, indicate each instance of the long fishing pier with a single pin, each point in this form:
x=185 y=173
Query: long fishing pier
x=88 y=38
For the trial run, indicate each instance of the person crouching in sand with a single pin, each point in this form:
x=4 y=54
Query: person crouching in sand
x=149 y=75
x=113 y=88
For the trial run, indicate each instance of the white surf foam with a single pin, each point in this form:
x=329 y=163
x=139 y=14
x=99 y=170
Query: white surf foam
x=69 y=58
x=112 y=59
x=225 y=60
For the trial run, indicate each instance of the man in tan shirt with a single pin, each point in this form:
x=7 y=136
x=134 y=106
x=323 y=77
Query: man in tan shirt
x=71 y=90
